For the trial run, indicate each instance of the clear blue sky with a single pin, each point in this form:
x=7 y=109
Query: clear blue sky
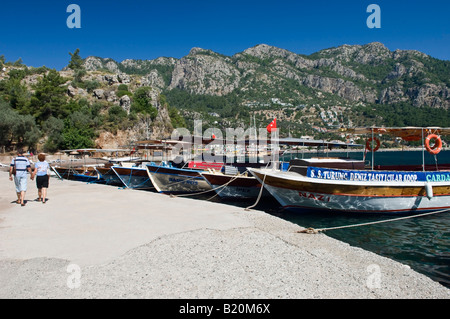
x=36 y=31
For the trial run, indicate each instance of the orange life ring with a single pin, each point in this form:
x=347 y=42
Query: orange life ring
x=437 y=147
x=369 y=144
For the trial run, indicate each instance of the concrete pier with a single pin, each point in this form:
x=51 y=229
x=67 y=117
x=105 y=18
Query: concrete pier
x=99 y=241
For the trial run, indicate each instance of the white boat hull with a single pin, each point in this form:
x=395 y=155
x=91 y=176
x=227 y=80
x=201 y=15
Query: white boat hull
x=297 y=192
x=291 y=199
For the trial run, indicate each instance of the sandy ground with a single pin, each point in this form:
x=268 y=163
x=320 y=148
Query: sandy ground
x=98 y=241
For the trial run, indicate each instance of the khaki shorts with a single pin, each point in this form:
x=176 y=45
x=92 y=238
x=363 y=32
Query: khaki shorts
x=21 y=183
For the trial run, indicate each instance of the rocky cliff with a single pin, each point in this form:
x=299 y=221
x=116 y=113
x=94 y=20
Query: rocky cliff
x=326 y=88
x=368 y=73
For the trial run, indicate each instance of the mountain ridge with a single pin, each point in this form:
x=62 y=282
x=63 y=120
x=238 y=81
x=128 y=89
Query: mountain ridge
x=368 y=73
x=108 y=103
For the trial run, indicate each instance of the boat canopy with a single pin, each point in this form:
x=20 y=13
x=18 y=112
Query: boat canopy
x=93 y=150
x=281 y=141
x=406 y=133
x=308 y=142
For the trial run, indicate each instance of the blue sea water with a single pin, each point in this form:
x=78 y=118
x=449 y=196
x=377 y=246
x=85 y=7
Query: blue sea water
x=423 y=243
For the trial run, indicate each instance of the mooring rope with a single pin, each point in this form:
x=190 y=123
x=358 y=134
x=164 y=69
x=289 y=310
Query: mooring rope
x=260 y=191
x=110 y=181
x=311 y=230
x=143 y=188
x=225 y=185
x=174 y=183
x=207 y=191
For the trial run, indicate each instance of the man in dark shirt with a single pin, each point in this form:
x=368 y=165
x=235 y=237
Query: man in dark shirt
x=20 y=165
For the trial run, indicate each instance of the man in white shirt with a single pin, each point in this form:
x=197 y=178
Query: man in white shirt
x=19 y=167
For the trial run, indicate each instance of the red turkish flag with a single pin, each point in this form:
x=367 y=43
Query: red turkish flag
x=272 y=125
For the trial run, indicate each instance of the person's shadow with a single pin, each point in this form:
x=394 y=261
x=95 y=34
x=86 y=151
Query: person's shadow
x=39 y=201
x=25 y=201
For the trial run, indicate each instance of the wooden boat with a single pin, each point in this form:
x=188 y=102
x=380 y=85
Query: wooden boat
x=238 y=186
x=108 y=175
x=362 y=190
x=241 y=185
x=234 y=184
x=169 y=179
x=88 y=174
x=245 y=186
x=134 y=177
x=301 y=165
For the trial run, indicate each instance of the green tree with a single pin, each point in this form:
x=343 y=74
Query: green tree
x=122 y=90
x=78 y=130
x=14 y=92
x=90 y=86
x=116 y=114
x=53 y=128
x=49 y=97
x=7 y=122
x=76 y=62
x=175 y=117
x=14 y=127
x=142 y=102
x=77 y=78
x=76 y=138
x=19 y=62
x=26 y=131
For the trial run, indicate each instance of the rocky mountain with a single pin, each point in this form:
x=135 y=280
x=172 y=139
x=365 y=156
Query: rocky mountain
x=346 y=85
x=368 y=73
x=97 y=105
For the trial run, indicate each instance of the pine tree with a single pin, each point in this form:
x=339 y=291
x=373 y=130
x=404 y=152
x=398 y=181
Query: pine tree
x=49 y=97
x=76 y=62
